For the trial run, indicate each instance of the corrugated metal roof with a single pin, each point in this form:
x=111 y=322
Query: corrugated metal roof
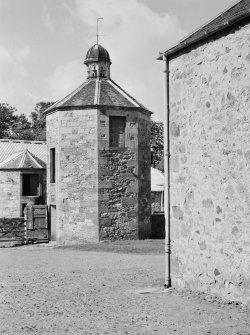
x=234 y=14
x=10 y=147
x=97 y=92
x=22 y=160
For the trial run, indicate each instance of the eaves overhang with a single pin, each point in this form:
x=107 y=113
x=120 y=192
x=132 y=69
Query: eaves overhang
x=203 y=33
x=100 y=107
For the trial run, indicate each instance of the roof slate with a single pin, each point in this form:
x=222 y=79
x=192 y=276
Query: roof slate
x=84 y=96
x=97 y=92
x=234 y=14
x=109 y=95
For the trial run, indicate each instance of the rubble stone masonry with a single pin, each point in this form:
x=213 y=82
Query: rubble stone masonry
x=210 y=165
x=124 y=179
x=9 y=193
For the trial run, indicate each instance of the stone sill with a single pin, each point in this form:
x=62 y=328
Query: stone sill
x=117 y=149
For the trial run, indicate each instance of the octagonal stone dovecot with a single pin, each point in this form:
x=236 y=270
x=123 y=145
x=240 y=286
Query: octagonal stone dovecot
x=98 y=178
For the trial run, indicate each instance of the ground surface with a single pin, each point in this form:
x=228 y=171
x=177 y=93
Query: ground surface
x=102 y=290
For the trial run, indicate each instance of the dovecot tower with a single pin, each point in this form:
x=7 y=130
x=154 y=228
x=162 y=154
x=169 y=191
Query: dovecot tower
x=98 y=140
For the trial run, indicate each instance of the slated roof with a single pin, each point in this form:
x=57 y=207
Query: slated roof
x=97 y=92
x=11 y=147
x=85 y=92
x=111 y=94
x=22 y=160
x=234 y=14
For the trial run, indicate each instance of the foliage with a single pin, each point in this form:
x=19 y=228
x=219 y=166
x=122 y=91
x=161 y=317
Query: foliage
x=157 y=145
x=7 y=120
x=22 y=128
x=38 y=120
x=15 y=126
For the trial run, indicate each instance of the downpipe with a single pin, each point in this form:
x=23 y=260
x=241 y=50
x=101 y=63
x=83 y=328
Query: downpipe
x=167 y=176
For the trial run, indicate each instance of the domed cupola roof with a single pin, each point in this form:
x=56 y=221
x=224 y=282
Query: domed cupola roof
x=97 y=53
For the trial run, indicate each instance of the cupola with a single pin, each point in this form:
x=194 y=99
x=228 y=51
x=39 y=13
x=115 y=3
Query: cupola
x=98 y=62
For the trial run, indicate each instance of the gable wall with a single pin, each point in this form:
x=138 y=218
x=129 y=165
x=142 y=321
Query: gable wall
x=210 y=166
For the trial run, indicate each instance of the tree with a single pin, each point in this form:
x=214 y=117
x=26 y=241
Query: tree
x=7 y=120
x=22 y=128
x=157 y=145
x=38 y=120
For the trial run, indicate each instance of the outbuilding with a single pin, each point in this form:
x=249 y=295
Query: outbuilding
x=207 y=156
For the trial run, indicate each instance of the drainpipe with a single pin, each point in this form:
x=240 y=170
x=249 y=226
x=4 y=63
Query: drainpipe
x=167 y=176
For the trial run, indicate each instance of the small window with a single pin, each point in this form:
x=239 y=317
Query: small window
x=52 y=165
x=30 y=184
x=117 y=125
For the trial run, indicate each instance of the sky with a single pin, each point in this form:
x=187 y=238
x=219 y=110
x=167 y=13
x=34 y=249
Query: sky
x=43 y=44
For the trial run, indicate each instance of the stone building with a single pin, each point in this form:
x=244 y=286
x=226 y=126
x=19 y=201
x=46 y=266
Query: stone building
x=22 y=175
x=208 y=118
x=157 y=190
x=98 y=140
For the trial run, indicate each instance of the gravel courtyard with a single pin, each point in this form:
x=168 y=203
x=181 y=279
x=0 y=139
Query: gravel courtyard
x=49 y=290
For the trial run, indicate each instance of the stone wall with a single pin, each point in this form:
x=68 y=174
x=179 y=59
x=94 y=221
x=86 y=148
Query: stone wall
x=52 y=138
x=75 y=193
x=9 y=194
x=124 y=179
x=210 y=170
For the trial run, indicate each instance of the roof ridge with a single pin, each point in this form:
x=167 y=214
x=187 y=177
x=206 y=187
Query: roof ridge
x=211 y=20
x=21 y=141
x=130 y=97
x=97 y=92
x=119 y=89
x=34 y=158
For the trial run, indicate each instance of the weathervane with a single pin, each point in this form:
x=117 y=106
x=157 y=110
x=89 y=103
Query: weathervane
x=97 y=20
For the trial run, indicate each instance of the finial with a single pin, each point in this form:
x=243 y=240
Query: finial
x=97 y=20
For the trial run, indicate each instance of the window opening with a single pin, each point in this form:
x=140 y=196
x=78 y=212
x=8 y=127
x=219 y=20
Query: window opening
x=117 y=125
x=30 y=184
x=52 y=165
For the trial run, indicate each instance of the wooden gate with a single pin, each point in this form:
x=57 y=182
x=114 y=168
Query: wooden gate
x=37 y=223
x=12 y=230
